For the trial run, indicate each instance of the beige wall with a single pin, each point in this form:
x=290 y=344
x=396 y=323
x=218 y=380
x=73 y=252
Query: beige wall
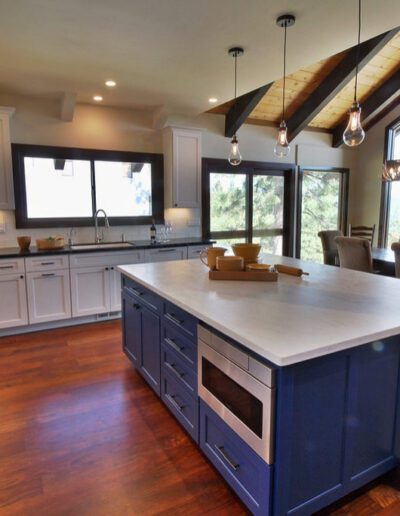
x=37 y=121
x=370 y=158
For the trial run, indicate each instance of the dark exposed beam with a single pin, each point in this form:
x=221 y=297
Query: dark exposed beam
x=335 y=81
x=242 y=108
x=372 y=106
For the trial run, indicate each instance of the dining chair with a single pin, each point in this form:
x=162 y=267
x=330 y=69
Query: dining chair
x=366 y=232
x=329 y=246
x=354 y=253
x=396 y=249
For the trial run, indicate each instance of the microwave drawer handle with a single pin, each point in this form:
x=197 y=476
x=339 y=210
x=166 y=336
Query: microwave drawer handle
x=173 y=344
x=171 y=398
x=221 y=451
x=174 y=369
x=174 y=319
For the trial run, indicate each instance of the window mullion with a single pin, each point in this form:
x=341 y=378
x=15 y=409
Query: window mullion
x=249 y=207
x=93 y=180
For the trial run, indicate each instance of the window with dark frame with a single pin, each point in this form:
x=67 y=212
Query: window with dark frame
x=253 y=202
x=60 y=186
x=389 y=223
x=322 y=205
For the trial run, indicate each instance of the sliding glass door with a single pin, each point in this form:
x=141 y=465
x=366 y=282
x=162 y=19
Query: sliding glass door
x=250 y=203
x=322 y=205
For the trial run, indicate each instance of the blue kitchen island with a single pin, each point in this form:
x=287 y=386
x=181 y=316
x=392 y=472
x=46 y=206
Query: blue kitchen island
x=291 y=389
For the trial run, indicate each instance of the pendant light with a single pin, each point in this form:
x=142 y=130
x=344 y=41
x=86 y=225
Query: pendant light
x=282 y=147
x=235 y=157
x=354 y=133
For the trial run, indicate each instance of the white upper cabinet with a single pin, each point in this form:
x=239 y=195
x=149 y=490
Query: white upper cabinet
x=6 y=176
x=182 y=167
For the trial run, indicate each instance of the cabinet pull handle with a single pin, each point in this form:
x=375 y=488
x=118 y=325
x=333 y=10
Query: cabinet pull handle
x=135 y=291
x=173 y=344
x=48 y=274
x=136 y=306
x=227 y=459
x=166 y=250
x=21 y=277
x=173 y=368
x=174 y=319
x=46 y=263
x=106 y=268
x=171 y=398
x=112 y=268
x=6 y=266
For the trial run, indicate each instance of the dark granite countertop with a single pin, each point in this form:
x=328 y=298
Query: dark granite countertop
x=13 y=252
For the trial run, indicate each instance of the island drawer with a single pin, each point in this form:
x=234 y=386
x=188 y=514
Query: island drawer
x=182 y=405
x=182 y=345
x=180 y=319
x=142 y=294
x=179 y=369
x=247 y=474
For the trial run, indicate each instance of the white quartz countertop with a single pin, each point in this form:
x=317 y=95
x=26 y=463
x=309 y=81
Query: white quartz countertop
x=288 y=321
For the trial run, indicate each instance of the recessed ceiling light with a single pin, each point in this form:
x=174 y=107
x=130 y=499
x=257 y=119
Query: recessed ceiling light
x=98 y=98
x=212 y=100
x=110 y=83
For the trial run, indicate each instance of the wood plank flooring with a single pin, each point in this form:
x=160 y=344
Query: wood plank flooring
x=82 y=434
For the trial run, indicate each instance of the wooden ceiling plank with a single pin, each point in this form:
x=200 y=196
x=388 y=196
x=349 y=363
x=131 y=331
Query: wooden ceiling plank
x=241 y=109
x=377 y=101
x=335 y=81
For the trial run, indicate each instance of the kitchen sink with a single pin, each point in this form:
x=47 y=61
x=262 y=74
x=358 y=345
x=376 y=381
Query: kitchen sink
x=102 y=245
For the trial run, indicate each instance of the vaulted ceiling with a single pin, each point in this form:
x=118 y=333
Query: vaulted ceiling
x=319 y=96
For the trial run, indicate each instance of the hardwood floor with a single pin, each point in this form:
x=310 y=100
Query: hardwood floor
x=82 y=434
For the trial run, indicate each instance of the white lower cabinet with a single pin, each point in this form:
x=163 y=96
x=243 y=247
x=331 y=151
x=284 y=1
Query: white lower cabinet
x=13 y=303
x=49 y=296
x=165 y=254
x=90 y=290
x=194 y=251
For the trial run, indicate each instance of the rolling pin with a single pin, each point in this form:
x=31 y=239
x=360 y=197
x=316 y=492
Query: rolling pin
x=293 y=271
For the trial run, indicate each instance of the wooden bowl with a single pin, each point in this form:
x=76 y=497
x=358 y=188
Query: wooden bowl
x=24 y=242
x=46 y=244
x=249 y=252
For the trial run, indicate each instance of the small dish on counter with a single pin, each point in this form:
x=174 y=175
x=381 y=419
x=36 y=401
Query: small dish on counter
x=258 y=267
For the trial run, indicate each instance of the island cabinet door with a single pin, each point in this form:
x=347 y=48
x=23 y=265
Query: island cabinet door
x=132 y=328
x=335 y=425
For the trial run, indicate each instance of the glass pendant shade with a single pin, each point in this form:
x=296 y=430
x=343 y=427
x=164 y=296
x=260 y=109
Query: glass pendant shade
x=235 y=157
x=354 y=133
x=282 y=147
x=391 y=170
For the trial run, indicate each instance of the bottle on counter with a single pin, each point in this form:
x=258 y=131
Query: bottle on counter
x=153 y=232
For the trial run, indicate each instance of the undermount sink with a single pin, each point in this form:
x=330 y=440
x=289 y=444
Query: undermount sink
x=101 y=245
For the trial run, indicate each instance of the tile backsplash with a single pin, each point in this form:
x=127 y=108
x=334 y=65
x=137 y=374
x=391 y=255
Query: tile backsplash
x=185 y=223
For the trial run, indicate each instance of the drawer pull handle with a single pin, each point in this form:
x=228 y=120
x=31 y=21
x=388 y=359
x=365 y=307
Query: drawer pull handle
x=173 y=368
x=136 y=291
x=166 y=250
x=136 y=306
x=171 y=398
x=6 y=266
x=173 y=344
x=174 y=319
x=227 y=459
x=47 y=263
x=47 y=275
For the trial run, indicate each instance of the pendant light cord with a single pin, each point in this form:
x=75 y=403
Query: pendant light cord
x=358 y=49
x=284 y=74
x=235 y=91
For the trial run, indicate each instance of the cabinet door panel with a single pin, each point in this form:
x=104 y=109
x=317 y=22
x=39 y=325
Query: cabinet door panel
x=13 y=306
x=90 y=288
x=150 y=351
x=115 y=290
x=132 y=328
x=49 y=297
x=186 y=168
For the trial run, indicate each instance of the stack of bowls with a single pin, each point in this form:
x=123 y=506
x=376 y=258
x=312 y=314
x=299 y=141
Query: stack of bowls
x=249 y=252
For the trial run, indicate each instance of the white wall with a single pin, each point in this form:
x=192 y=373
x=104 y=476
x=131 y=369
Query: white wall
x=37 y=121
